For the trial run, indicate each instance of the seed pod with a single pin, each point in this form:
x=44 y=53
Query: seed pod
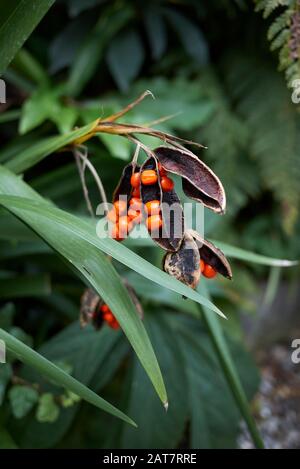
x=91 y=303
x=170 y=235
x=184 y=264
x=212 y=255
x=199 y=182
x=124 y=187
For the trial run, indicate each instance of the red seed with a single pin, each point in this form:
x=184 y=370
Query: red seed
x=136 y=203
x=166 y=183
x=209 y=271
x=202 y=265
x=136 y=193
x=135 y=180
x=123 y=226
x=153 y=207
x=154 y=222
x=120 y=206
x=112 y=215
x=149 y=177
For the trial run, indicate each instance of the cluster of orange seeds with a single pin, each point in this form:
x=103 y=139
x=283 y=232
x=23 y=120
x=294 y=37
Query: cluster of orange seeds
x=153 y=212
x=124 y=218
x=207 y=270
x=108 y=317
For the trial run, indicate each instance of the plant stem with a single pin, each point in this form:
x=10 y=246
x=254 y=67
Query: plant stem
x=230 y=372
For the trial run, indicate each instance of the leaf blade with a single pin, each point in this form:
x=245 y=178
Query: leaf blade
x=53 y=372
x=17 y=23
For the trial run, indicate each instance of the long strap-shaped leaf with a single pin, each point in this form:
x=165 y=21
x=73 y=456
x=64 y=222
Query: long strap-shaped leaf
x=230 y=372
x=53 y=372
x=76 y=241
x=18 y=20
x=66 y=234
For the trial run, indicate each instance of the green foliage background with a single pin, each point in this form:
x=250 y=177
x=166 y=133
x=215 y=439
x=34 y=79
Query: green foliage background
x=210 y=68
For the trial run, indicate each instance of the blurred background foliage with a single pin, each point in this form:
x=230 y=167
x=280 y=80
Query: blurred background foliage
x=212 y=73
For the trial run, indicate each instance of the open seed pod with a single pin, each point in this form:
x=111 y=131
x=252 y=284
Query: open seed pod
x=124 y=187
x=212 y=255
x=184 y=264
x=91 y=303
x=170 y=235
x=199 y=181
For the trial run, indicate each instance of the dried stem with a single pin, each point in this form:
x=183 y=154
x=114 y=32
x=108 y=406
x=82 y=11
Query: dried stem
x=81 y=170
x=86 y=162
x=130 y=106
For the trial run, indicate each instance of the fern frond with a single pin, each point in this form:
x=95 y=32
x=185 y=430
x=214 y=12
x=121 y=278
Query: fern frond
x=281 y=39
x=281 y=22
x=265 y=105
x=284 y=33
x=268 y=6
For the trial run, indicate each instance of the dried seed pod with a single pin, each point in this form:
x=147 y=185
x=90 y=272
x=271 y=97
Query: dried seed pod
x=124 y=187
x=199 y=182
x=212 y=255
x=170 y=235
x=91 y=302
x=184 y=264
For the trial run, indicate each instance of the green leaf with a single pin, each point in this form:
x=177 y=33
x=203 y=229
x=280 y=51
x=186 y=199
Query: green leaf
x=230 y=372
x=35 y=153
x=5 y=375
x=214 y=417
x=69 y=399
x=156 y=31
x=91 y=52
x=63 y=234
x=9 y=116
x=22 y=399
x=190 y=35
x=6 y=441
x=118 y=147
x=7 y=313
x=18 y=19
x=52 y=372
x=157 y=428
x=76 y=347
x=242 y=254
x=125 y=56
x=44 y=104
x=27 y=64
x=25 y=286
x=47 y=410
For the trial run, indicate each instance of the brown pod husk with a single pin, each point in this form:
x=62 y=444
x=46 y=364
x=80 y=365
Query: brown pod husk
x=184 y=264
x=124 y=187
x=168 y=239
x=212 y=255
x=199 y=181
x=90 y=303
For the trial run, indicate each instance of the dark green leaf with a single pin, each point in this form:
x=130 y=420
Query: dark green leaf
x=125 y=56
x=22 y=399
x=47 y=410
x=18 y=20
